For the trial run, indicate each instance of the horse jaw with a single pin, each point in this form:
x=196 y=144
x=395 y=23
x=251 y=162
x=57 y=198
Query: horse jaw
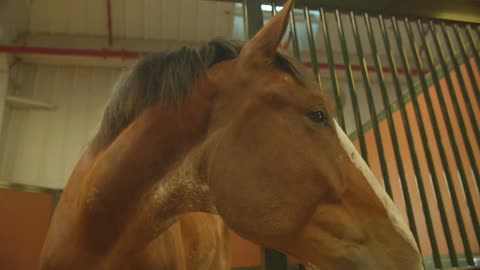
x=347 y=234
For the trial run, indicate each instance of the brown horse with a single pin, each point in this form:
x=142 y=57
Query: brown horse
x=242 y=133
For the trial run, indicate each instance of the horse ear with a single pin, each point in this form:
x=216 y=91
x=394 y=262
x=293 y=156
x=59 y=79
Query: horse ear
x=266 y=41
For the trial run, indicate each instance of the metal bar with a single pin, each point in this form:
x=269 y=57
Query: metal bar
x=391 y=125
x=28 y=188
x=253 y=17
x=466 y=60
x=371 y=104
x=274 y=8
x=293 y=27
x=463 y=50
x=478 y=31
x=274 y=260
x=448 y=124
x=351 y=84
x=311 y=43
x=55 y=199
x=456 y=105
x=421 y=126
x=72 y=52
x=464 y=11
x=331 y=66
x=440 y=202
x=461 y=82
x=411 y=218
x=406 y=123
x=109 y=22
x=471 y=42
x=461 y=123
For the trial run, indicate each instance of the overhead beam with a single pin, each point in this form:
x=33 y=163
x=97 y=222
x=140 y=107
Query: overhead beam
x=467 y=11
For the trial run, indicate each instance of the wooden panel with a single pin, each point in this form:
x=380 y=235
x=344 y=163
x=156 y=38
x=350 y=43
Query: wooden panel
x=24 y=219
x=244 y=252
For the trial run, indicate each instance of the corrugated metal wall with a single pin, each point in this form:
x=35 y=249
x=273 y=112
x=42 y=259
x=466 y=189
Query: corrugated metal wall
x=40 y=147
x=187 y=20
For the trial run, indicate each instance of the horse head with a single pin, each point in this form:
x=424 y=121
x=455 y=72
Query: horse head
x=283 y=174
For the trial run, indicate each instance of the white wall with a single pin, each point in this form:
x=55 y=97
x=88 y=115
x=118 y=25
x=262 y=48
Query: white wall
x=3 y=91
x=40 y=147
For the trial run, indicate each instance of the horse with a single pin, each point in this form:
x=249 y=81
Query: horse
x=236 y=135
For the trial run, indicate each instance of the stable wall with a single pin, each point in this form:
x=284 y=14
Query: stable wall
x=41 y=146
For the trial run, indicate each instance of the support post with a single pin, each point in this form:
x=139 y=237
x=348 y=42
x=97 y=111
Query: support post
x=253 y=17
x=3 y=87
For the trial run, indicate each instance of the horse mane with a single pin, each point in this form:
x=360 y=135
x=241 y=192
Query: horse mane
x=164 y=77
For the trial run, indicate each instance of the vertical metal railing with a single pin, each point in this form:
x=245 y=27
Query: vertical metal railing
x=331 y=68
x=461 y=82
x=463 y=50
x=423 y=112
x=371 y=103
x=406 y=123
x=391 y=124
x=421 y=127
x=440 y=201
x=473 y=48
x=453 y=142
x=351 y=86
x=311 y=44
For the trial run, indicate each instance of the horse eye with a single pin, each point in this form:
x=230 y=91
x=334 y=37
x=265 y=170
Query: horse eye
x=317 y=116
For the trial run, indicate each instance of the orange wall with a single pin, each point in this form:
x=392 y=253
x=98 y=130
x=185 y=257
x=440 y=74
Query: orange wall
x=24 y=219
x=418 y=145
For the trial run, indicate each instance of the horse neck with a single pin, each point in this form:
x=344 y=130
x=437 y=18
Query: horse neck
x=184 y=187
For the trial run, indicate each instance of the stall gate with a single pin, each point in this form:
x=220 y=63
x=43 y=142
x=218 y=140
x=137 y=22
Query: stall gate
x=407 y=91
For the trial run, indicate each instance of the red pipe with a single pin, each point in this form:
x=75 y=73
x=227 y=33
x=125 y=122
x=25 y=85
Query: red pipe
x=109 y=22
x=107 y=53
